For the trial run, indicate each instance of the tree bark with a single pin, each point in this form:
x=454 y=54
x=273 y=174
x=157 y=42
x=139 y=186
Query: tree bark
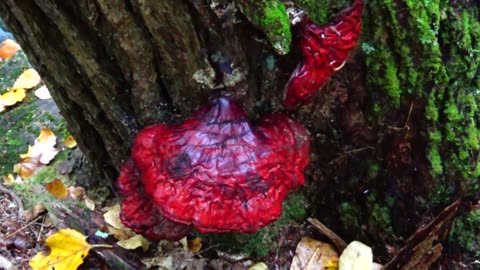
x=395 y=133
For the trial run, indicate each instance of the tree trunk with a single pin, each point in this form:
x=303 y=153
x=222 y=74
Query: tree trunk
x=395 y=133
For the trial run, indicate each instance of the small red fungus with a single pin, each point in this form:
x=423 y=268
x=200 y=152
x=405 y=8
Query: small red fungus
x=325 y=50
x=215 y=172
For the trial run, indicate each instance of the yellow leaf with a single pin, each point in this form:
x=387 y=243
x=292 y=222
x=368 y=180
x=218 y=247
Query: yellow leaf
x=135 y=242
x=13 y=96
x=356 y=256
x=57 y=188
x=8 y=49
x=112 y=217
x=41 y=153
x=311 y=254
x=43 y=93
x=27 y=80
x=70 y=142
x=27 y=167
x=67 y=250
x=28 y=154
x=195 y=245
x=8 y=180
x=47 y=137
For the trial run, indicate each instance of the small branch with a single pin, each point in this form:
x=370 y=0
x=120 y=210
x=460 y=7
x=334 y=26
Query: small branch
x=14 y=197
x=17 y=231
x=339 y=243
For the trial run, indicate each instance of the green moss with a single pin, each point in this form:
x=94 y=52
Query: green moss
x=379 y=215
x=263 y=241
x=271 y=17
x=465 y=233
x=321 y=12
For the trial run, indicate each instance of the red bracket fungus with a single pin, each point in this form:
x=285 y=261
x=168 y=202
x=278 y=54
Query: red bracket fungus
x=325 y=50
x=214 y=172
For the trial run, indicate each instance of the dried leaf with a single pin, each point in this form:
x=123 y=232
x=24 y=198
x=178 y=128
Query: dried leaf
x=43 y=93
x=356 y=256
x=311 y=254
x=8 y=49
x=90 y=204
x=34 y=212
x=67 y=250
x=27 y=80
x=77 y=193
x=8 y=180
x=57 y=188
x=47 y=137
x=13 y=96
x=135 y=242
x=195 y=244
x=70 y=142
x=112 y=217
x=38 y=155
x=27 y=167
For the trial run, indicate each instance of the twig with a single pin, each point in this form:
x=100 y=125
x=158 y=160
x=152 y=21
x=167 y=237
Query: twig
x=14 y=197
x=337 y=241
x=41 y=230
x=17 y=231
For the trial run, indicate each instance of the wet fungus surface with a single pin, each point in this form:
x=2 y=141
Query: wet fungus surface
x=325 y=50
x=215 y=172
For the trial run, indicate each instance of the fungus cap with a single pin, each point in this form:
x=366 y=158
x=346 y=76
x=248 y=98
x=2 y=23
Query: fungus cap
x=216 y=171
x=325 y=50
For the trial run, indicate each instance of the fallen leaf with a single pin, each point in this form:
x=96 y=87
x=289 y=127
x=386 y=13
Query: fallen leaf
x=356 y=256
x=43 y=93
x=27 y=167
x=8 y=49
x=34 y=212
x=13 y=96
x=70 y=142
x=135 y=242
x=67 y=250
x=259 y=266
x=47 y=137
x=89 y=203
x=77 y=193
x=195 y=244
x=57 y=189
x=120 y=234
x=112 y=217
x=311 y=254
x=28 y=79
x=8 y=180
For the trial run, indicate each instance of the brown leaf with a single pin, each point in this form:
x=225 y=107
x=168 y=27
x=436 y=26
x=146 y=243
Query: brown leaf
x=57 y=189
x=34 y=212
x=311 y=254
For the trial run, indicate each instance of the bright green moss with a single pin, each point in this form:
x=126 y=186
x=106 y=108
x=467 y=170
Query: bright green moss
x=271 y=17
x=465 y=233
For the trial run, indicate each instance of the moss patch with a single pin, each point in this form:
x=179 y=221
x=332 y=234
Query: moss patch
x=271 y=17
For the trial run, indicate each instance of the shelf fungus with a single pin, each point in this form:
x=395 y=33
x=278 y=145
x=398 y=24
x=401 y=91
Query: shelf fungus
x=215 y=172
x=325 y=50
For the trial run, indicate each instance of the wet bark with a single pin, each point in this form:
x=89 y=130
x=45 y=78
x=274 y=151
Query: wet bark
x=115 y=66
